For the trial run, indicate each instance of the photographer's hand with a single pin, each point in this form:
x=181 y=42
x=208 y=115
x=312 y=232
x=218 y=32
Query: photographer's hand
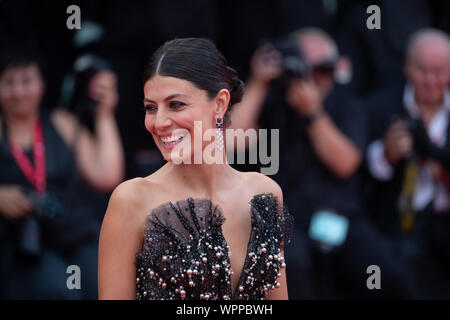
x=304 y=97
x=103 y=88
x=332 y=146
x=265 y=65
x=13 y=202
x=398 y=142
x=99 y=155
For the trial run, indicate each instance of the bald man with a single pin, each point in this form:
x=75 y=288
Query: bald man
x=409 y=160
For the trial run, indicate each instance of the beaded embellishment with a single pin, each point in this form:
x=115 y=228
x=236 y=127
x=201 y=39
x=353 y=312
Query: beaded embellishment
x=185 y=255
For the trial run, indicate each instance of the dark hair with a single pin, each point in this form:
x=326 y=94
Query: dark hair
x=15 y=58
x=199 y=61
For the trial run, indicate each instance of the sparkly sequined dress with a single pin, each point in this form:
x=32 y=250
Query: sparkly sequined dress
x=185 y=255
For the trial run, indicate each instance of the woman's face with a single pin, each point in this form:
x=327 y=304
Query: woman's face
x=21 y=90
x=171 y=107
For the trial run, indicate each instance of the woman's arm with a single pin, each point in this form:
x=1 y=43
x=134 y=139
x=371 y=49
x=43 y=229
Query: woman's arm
x=120 y=240
x=99 y=156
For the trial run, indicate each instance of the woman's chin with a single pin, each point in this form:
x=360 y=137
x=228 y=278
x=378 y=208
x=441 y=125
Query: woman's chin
x=169 y=156
x=176 y=158
x=21 y=110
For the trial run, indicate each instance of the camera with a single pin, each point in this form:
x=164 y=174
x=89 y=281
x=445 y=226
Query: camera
x=424 y=147
x=293 y=65
x=422 y=143
x=46 y=206
x=85 y=68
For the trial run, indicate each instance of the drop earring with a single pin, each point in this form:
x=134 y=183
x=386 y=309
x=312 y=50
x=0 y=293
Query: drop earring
x=219 y=132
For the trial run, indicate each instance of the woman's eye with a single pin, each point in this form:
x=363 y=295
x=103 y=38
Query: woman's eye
x=149 y=108
x=176 y=104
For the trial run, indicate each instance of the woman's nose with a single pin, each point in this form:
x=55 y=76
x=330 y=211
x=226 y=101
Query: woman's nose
x=162 y=120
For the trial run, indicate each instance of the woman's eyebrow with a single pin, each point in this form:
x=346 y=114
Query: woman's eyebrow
x=175 y=95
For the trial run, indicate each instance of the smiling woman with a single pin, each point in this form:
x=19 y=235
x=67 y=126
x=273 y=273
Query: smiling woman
x=176 y=234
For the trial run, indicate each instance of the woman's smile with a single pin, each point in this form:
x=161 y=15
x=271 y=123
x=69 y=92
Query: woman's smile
x=171 y=140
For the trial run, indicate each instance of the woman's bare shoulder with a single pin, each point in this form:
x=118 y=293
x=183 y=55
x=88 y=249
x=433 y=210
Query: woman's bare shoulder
x=129 y=205
x=65 y=123
x=133 y=193
x=260 y=183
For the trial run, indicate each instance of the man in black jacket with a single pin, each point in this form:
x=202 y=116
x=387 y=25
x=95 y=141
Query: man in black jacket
x=409 y=160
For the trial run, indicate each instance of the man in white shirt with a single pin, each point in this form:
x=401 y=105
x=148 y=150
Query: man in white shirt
x=409 y=155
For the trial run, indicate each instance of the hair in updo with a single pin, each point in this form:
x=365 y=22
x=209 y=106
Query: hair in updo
x=199 y=61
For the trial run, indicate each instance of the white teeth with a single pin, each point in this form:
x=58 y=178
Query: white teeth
x=172 y=139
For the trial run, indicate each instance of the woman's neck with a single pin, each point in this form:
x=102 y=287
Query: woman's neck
x=20 y=128
x=204 y=179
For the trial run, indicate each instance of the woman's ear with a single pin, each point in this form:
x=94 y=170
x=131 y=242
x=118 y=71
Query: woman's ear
x=222 y=100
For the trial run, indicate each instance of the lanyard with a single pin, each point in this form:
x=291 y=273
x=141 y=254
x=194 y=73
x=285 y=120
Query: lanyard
x=36 y=175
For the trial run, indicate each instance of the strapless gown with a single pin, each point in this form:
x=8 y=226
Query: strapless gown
x=185 y=255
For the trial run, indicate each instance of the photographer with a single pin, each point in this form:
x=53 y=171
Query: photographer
x=44 y=225
x=409 y=159
x=322 y=142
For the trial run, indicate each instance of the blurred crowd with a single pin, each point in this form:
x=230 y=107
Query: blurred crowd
x=363 y=117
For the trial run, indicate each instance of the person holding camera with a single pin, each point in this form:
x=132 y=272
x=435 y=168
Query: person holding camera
x=409 y=160
x=42 y=227
x=322 y=143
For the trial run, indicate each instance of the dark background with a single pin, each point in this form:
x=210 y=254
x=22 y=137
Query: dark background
x=132 y=30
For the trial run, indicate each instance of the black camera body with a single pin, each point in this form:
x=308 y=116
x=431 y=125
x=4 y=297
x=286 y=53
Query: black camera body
x=293 y=65
x=423 y=146
x=80 y=102
x=46 y=206
x=422 y=143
